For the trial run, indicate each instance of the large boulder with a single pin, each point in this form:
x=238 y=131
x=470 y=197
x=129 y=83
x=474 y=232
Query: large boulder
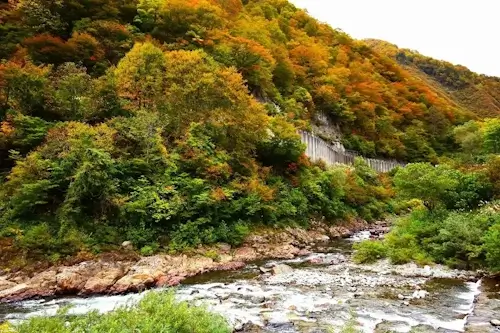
x=286 y=251
x=14 y=293
x=71 y=279
x=103 y=280
x=133 y=283
x=41 y=285
x=6 y=284
x=44 y=280
x=142 y=275
x=245 y=254
x=169 y=281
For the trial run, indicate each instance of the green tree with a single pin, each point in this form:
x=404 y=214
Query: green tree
x=426 y=182
x=470 y=138
x=492 y=136
x=492 y=247
x=72 y=88
x=140 y=76
x=200 y=90
x=22 y=87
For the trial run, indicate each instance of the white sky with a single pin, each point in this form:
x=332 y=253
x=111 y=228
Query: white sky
x=465 y=32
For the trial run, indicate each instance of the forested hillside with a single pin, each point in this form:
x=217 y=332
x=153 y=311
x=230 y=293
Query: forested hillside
x=478 y=93
x=155 y=121
x=280 y=52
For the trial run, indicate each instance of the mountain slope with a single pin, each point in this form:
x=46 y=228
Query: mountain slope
x=303 y=65
x=478 y=93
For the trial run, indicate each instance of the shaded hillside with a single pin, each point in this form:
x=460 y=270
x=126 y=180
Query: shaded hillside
x=478 y=93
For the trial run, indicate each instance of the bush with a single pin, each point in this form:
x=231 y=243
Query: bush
x=149 y=250
x=442 y=186
x=369 y=251
x=156 y=312
x=492 y=248
x=212 y=254
x=458 y=242
x=452 y=238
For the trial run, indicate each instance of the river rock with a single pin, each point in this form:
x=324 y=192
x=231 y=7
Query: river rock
x=316 y=261
x=323 y=239
x=495 y=322
x=6 y=284
x=168 y=281
x=224 y=247
x=256 y=239
x=249 y=328
x=103 y=280
x=127 y=245
x=245 y=254
x=14 y=292
x=70 y=280
x=299 y=235
x=304 y=252
x=281 y=269
x=44 y=280
x=280 y=251
x=133 y=282
x=229 y=266
x=264 y=270
x=418 y=294
x=255 y=299
x=427 y=270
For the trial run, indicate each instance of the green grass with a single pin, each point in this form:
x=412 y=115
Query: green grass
x=155 y=313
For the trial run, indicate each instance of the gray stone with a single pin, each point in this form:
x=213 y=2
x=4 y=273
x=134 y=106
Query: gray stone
x=401 y=297
x=224 y=247
x=323 y=238
x=420 y=294
x=257 y=299
x=127 y=245
x=281 y=269
x=264 y=270
x=495 y=322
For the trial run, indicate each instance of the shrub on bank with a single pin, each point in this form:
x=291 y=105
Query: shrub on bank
x=156 y=312
x=466 y=240
x=369 y=251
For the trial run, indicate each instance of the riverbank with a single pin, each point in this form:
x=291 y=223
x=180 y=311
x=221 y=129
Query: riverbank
x=318 y=292
x=114 y=275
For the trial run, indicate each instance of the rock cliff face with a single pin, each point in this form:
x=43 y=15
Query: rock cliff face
x=108 y=276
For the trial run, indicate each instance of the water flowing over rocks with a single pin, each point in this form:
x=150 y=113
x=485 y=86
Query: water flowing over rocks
x=311 y=293
x=485 y=317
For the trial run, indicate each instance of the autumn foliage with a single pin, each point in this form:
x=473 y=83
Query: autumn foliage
x=175 y=122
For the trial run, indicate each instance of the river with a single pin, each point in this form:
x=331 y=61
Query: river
x=324 y=290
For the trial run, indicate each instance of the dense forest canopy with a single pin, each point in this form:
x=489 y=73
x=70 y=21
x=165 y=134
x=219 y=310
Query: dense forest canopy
x=478 y=93
x=281 y=52
x=175 y=122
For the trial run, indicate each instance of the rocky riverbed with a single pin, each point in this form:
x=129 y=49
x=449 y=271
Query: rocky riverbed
x=318 y=292
x=112 y=275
